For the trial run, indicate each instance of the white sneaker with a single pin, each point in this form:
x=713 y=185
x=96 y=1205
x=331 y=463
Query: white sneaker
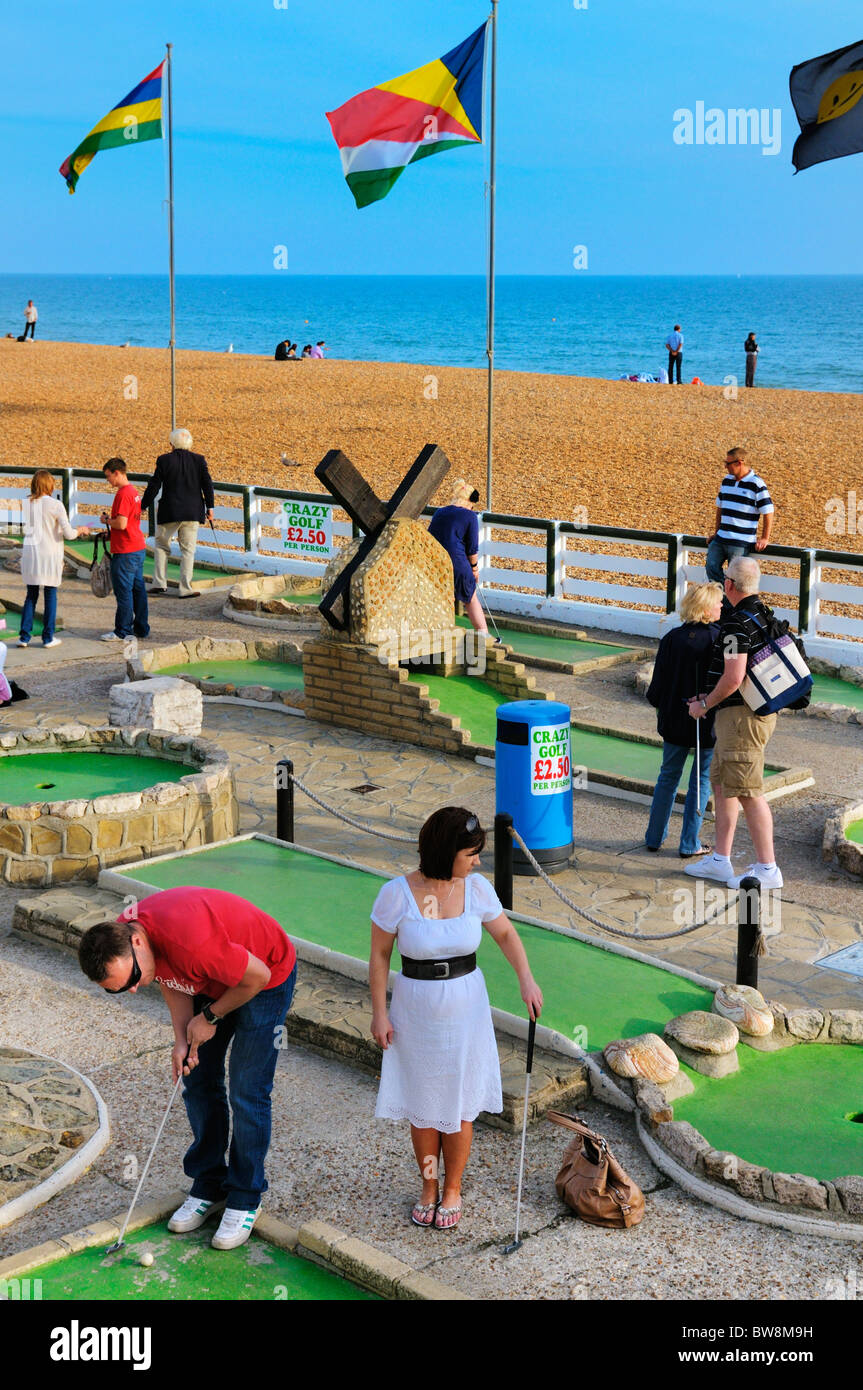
x=21 y=643
x=715 y=866
x=768 y=878
x=55 y=642
x=235 y=1228
x=110 y=637
x=192 y=1214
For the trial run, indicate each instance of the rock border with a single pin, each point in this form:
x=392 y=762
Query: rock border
x=836 y=845
x=266 y=597
x=153 y=661
x=317 y=1241
x=718 y=1170
x=46 y=843
x=76 y=1164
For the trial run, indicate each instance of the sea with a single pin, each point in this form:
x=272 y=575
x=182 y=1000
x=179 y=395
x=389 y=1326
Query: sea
x=809 y=328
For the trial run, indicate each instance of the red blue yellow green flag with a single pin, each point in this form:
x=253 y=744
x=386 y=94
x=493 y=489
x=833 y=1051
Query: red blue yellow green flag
x=137 y=117
x=434 y=108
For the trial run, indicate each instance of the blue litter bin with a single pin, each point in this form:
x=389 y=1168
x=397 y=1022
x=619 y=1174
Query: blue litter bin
x=533 y=775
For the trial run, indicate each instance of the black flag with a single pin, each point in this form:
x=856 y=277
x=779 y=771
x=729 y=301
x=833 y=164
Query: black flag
x=826 y=94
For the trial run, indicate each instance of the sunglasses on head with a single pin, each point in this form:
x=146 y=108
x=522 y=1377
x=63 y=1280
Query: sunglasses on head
x=134 y=977
x=471 y=824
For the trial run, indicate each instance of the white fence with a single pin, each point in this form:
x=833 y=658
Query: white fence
x=626 y=581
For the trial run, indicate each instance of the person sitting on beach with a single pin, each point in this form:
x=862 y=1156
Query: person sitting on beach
x=319 y=349
x=750 y=347
x=680 y=671
x=743 y=498
x=292 y=353
x=456 y=528
x=307 y=350
x=281 y=352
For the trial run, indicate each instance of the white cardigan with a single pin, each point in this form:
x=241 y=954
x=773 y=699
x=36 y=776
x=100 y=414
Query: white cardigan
x=46 y=524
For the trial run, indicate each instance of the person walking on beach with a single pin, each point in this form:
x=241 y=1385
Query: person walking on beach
x=227 y=973
x=440 y=1064
x=31 y=314
x=186 y=500
x=456 y=528
x=750 y=347
x=679 y=672
x=737 y=771
x=742 y=500
x=46 y=526
x=127 y=556
x=674 y=343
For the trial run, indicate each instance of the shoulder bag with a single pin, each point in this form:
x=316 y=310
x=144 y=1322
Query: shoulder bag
x=592 y=1182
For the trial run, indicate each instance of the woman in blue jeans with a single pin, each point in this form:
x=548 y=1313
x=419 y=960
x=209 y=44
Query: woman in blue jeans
x=46 y=525
x=679 y=673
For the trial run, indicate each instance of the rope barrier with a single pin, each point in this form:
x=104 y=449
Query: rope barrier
x=349 y=820
x=597 y=921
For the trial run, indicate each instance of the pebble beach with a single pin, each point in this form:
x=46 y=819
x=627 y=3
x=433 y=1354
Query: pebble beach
x=631 y=455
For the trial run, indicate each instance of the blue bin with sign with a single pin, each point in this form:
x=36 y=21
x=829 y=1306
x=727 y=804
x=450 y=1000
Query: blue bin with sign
x=533 y=775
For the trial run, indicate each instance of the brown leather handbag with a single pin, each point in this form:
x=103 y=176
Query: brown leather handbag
x=592 y=1182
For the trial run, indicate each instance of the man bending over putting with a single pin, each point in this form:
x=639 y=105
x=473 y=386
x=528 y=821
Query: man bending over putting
x=227 y=972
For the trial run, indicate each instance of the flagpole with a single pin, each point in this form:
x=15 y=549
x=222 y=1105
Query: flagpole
x=491 y=229
x=171 y=238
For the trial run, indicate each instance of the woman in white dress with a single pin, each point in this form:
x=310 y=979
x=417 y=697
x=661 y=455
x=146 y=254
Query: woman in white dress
x=46 y=525
x=440 y=1064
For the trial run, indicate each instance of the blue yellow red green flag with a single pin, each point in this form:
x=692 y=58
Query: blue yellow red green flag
x=434 y=108
x=137 y=117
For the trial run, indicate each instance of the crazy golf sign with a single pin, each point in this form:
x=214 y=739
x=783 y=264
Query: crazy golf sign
x=307 y=528
x=551 y=762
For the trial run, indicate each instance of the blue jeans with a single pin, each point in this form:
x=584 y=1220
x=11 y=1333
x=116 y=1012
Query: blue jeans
x=673 y=758
x=718 y=552
x=254 y=1028
x=127 y=577
x=29 y=609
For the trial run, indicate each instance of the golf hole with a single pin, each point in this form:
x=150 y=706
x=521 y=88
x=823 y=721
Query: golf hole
x=855 y=1118
x=44 y=786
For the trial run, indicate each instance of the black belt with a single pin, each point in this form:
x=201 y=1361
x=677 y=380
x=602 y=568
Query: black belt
x=438 y=969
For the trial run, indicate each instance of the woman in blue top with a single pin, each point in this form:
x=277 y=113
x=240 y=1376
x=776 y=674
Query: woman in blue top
x=456 y=528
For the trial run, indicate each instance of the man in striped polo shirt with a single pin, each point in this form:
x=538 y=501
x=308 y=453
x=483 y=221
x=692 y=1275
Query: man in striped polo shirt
x=737 y=769
x=743 y=499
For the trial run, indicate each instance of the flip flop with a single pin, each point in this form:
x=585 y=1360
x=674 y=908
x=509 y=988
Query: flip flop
x=697 y=854
x=421 y=1209
x=447 y=1211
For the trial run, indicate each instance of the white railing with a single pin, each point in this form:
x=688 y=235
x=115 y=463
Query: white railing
x=626 y=581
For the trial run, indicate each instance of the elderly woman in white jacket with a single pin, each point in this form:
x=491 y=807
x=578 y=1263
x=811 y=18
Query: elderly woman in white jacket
x=46 y=526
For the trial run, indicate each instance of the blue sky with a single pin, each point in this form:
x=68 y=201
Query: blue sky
x=586 y=149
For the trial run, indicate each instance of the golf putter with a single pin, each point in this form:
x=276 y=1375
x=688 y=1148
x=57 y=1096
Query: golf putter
x=488 y=615
x=121 y=1241
x=531 y=1038
x=218 y=547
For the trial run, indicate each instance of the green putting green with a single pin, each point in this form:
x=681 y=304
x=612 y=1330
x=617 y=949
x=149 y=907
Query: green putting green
x=84 y=548
x=66 y=776
x=277 y=675
x=829 y=690
x=9 y=633
x=854 y=832
x=467 y=696
x=187 y=1268
x=787 y=1110
x=609 y=995
x=570 y=649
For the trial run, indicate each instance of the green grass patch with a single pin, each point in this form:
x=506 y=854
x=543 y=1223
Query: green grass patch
x=67 y=776
x=277 y=675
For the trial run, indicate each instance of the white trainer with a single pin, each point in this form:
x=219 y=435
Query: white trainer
x=55 y=642
x=110 y=637
x=235 y=1228
x=715 y=866
x=768 y=878
x=192 y=1214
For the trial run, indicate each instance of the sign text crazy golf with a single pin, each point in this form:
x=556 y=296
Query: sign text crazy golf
x=551 y=769
x=307 y=527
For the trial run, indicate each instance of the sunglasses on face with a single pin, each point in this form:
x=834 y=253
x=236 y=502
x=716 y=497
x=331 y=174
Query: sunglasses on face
x=134 y=977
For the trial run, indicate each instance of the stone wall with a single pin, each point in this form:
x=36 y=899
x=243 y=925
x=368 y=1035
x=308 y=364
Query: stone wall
x=836 y=845
x=150 y=663
x=354 y=687
x=271 y=596
x=44 y=843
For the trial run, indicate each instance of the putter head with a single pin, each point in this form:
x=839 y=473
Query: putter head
x=513 y=1245
x=112 y=1249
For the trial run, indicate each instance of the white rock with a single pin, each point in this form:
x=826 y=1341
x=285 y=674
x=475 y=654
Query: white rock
x=162 y=702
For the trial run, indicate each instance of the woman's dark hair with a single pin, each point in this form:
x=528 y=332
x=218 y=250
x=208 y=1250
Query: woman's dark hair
x=446 y=832
x=103 y=943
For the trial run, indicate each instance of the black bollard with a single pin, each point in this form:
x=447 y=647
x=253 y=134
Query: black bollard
x=748 y=927
x=503 y=848
x=285 y=800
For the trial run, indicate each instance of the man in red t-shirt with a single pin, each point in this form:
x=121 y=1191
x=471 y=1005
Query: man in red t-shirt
x=127 y=556
x=227 y=972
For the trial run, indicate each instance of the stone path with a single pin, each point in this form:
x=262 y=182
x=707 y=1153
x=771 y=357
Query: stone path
x=46 y=1114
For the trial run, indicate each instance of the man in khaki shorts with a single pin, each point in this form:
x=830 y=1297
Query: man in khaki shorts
x=737 y=770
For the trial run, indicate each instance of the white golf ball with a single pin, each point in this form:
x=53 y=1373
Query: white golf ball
x=146 y=1259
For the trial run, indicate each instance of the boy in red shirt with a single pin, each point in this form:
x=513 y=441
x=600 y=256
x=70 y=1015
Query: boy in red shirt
x=127 y=556
x=227 y=972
